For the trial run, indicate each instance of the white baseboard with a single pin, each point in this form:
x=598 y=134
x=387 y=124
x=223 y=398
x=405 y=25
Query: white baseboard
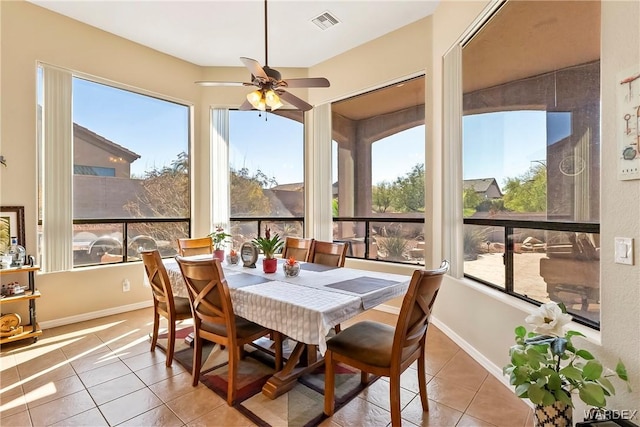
x=388 y=309
x=94 y=315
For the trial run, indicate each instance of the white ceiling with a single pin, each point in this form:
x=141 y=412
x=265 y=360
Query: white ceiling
x=217 y=32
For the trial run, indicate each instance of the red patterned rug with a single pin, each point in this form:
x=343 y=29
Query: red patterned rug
x=301 y=406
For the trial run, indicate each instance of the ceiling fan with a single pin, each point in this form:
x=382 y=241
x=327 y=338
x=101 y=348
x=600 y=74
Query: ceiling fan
x=271 y=86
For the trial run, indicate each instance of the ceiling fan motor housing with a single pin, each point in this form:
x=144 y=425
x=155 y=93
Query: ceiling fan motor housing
x=274 y=74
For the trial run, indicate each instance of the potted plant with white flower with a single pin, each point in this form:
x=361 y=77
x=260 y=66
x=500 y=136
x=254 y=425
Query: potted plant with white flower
x=547 y=368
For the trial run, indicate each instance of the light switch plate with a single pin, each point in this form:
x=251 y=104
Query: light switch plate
x=624 y=250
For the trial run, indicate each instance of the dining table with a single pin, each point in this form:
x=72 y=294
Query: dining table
x=304 y=308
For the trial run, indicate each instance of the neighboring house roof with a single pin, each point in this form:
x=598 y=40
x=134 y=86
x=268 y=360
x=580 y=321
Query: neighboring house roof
x=103 y=143
x=481 y=185
x=294 y=186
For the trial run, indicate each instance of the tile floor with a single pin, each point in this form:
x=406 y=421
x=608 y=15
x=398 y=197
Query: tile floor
x=101 y=372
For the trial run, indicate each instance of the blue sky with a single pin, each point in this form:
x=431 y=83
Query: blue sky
x=157 y=130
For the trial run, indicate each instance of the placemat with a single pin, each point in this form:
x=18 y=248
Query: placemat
x=362 y=285
x=241 y=280
x=309 y=266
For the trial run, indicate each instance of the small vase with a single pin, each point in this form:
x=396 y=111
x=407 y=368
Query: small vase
x=291 y=270
x=557 y=415
x=269 y=265
x=219 y=254
x=233 y=259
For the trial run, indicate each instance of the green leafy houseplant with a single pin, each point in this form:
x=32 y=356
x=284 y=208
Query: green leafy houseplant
x=269 y=245
x=546 y=367
x=219 y=237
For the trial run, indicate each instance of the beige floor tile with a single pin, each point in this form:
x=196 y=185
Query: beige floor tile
x=174 y=387
x=436 y=358
x=493 y=395
x=378 y=394
x=469 y=421
x=156 y=373
x=51 y=390
x=61 y=409
x=104 y=374
x=438 y=415
x=450 y=394
x=530 y=421
x=113 y=389
x=93 y=417
x=159 y=416
x=360 y=412
x=129 y=406
x=8 y=376
x=133 y=349
x=194 y=405
x=82 y=346
x=19 y=419
x=464 y=371
x=328 y=422
x=94 y=360
x=12 y=402
x=222 y=416
x=36 y=361
x=39 y=379
x=409 y=379
x=146 y=359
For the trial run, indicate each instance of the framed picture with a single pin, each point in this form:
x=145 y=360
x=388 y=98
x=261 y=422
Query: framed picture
x=11 y=225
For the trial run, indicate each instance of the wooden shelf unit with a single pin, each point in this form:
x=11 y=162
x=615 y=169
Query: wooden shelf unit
x=31 y=330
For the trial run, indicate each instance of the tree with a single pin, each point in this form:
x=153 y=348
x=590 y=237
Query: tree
x=164 y=194
x=470 y=201
x=249 y=198
x=408 y=194
x=527 y=192
x=382 y=196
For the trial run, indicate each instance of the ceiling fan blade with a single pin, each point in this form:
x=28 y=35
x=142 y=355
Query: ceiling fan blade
x=295 y=101
x=246 y=106
x=255 y=67
x=215 y=83
x=308 y=82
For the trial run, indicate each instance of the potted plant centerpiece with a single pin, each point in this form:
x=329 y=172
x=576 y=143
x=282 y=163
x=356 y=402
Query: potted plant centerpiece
x=291 y=267
x=269 y=245
x=219 y=237
x=547 y=368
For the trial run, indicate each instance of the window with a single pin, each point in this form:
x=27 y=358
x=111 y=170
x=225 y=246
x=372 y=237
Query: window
x=130 y=186
x=531 y=154
x=378 y=155
x=266 y=162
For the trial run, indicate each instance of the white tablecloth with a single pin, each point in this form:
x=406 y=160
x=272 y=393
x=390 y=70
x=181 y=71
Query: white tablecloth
x=303 y=307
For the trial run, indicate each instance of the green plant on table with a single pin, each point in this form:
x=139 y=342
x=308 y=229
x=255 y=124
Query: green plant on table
x=267 y=244
x=546 y=367
x=219 y=237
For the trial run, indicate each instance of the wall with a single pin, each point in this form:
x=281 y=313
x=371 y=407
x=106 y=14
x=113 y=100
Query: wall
x=483 y=320
x=30 y=34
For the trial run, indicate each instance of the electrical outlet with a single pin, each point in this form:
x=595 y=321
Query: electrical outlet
x=126 y=286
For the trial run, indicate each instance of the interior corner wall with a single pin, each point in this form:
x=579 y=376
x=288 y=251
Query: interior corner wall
x=485 y=319
x=30 y=34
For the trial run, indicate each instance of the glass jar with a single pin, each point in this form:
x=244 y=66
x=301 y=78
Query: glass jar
x=17 y=252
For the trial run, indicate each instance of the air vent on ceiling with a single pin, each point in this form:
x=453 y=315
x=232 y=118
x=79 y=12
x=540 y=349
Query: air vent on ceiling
x=325 y=20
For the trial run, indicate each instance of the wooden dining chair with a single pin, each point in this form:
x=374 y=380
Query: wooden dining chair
x=164 y=303
x=331 y=254
x=379 y=349
x=197 y=246
x=328 y=253
x=297 y=247
x=214 y=318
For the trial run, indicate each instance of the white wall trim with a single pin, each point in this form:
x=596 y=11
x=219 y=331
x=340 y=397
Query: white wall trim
x=94 y=315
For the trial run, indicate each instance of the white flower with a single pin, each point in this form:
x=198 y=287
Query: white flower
x=548 y=320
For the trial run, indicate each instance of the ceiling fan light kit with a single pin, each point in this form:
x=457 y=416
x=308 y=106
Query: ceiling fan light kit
x=271 y=87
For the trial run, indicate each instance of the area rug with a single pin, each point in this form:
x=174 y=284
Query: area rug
x=301 y=406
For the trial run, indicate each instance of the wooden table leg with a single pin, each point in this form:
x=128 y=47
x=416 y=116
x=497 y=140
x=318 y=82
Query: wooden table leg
x=284 y=380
